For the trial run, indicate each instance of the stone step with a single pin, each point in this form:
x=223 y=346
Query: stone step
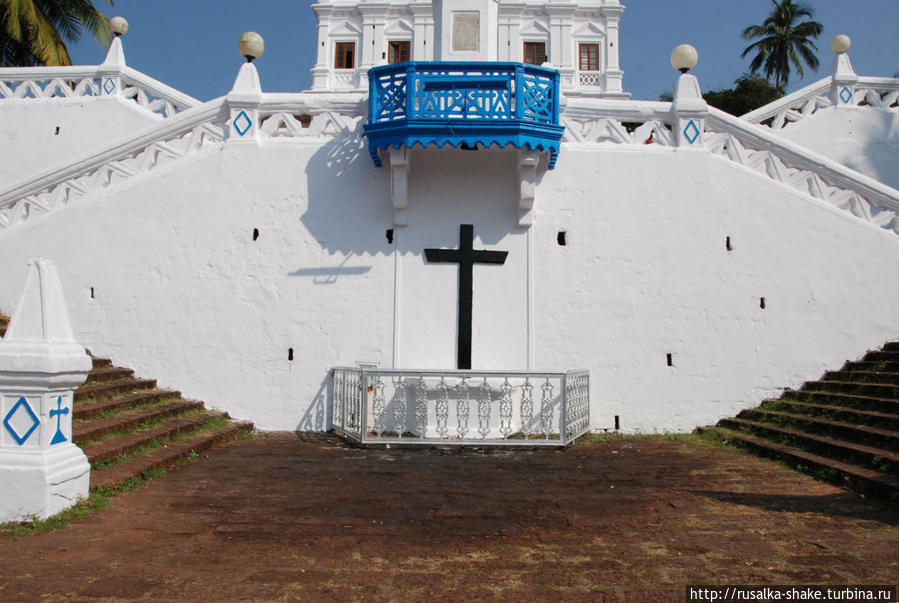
x=871 y=376
x=871 y=403
x=166 y=456
x=110 y=449
x=87 y=409
x=874 y=390
x=881 y=356
x=101 y=391
x=838 y=413
x=100 y=362
x=861 y=365
x=841 y=430
x=868 y=481
x=107 y=374
x=92 y=429
x=869 y=457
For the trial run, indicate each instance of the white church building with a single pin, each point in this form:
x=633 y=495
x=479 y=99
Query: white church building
x=466 y=230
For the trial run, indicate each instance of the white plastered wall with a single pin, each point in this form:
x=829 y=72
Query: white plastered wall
x=38 y=134
x=182 y=293
x=862 y=138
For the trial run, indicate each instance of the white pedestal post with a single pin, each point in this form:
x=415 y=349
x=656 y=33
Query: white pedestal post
x=41 y=471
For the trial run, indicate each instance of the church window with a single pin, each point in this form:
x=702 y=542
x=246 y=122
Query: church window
x=535 y=53
x=345 y=55
x=399 y=52
x=588 y=57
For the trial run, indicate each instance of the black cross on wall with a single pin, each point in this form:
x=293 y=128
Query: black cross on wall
x=466 y=257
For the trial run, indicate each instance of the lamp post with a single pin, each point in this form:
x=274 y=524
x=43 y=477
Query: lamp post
x=689 y=109
x=684 y=58
x=246 y=94
x=111 y=69
x=842 y=88
x=119 y=26
x=251 y=46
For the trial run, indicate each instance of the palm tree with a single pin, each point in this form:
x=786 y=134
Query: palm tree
x=782 y=42
x=35 y=32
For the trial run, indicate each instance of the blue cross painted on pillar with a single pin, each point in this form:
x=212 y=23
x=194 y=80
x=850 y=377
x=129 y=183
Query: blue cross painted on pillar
x=58 y=412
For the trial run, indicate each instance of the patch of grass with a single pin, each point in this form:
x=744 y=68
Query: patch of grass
x=666 y=436
x=97 y=500
x=213 y=423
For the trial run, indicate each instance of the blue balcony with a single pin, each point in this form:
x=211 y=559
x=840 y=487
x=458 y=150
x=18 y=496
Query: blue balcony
x=463 y=104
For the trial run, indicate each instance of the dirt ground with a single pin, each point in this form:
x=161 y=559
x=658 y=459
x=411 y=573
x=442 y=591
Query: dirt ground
x=290 y=517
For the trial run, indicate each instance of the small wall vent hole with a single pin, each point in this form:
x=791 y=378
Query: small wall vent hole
x=762 y=303
x=561 y=238
x=390 y=236
x=727 y=244
x=669 y=358
x=290 y=354
x=255 y=233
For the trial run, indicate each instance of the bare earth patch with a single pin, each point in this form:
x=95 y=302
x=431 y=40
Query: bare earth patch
x=288 y=517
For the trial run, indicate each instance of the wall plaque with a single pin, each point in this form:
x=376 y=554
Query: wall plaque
x=465 y=31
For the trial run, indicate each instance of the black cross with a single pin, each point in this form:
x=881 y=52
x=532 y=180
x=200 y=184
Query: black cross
x=466 y=257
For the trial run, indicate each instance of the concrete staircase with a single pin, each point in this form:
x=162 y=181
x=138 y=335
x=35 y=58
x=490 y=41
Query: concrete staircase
x=843 y=428
x=128 y=427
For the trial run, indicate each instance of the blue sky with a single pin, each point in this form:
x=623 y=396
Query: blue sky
x=192 y=45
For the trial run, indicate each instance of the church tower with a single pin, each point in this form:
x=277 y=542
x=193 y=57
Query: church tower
x=577 y=37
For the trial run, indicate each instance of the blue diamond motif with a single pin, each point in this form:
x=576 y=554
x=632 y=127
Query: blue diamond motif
x=109 y=85
x=691 y=131
x=846 y=94
x=22 y=403
x=242 y=123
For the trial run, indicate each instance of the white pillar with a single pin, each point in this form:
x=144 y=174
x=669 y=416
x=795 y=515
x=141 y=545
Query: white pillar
x=844 y=79
x=41 y=471
x=690 y=111
x=111 y=69
x=243 y=104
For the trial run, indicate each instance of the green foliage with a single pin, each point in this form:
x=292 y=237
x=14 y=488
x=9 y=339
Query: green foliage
x=35 y=32
x=749 y=92
x=782 y=44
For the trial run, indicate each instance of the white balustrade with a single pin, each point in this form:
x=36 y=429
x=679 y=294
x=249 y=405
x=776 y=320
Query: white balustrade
x=460 y=407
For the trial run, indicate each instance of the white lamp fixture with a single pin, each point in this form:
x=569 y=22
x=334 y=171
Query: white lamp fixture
x=684 y=58
x=118 y=25
x=840 y=44
x=251 y=46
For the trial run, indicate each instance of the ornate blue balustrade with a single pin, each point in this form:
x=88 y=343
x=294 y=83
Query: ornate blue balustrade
x=463 y=104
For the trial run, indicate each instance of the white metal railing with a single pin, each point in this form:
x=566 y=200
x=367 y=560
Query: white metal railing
x=876 y=92
x=508 y=408
x=19 y=83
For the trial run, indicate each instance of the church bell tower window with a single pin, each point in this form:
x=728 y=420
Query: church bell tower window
x=399 y=52
x=535 y=53
x=345 y=55
x=588 y=57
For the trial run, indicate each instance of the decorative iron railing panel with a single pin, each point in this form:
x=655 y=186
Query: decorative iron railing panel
x=463 y=104
x=390 y=406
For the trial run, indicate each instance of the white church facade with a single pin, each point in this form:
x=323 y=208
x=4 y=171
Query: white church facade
x=466 y=229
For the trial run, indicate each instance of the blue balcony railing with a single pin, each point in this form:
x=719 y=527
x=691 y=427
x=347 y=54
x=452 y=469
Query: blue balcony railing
x=463 y=104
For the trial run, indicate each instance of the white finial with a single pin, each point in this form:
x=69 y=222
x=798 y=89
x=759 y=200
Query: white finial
x=684 y=58
x=119 y=26
x=251 y=45
x=840 y=44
